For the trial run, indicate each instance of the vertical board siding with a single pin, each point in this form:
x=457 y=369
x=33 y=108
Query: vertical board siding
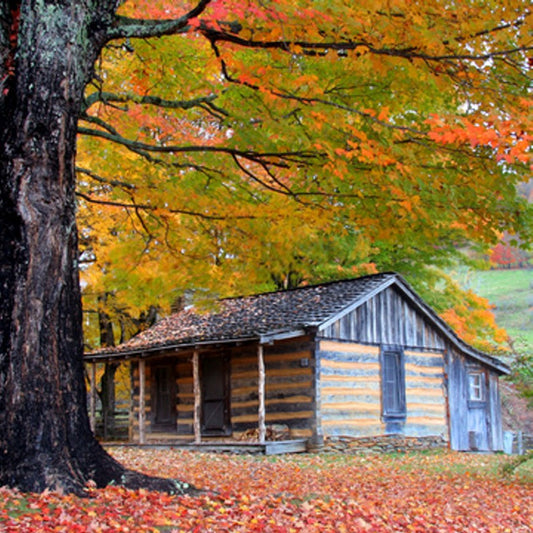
x=425 y=394
x=457 y=401
x=350 y=389
x=473 y=425
x=387 y=318
x=495 y=414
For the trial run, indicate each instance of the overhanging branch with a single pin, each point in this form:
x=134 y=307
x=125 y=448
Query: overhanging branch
x=216 y=36
x=278 y=159
x=153 y=208
x=140 y=28
x=205 y=102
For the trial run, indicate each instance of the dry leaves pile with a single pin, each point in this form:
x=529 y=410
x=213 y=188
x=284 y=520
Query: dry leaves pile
x=442 y=492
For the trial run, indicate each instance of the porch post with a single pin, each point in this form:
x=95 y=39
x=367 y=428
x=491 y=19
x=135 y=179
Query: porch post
x=142 y=406
x=92 y=397
x=197 y=397
x=261 y=393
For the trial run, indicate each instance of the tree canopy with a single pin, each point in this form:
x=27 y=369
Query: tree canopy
x=273 y=143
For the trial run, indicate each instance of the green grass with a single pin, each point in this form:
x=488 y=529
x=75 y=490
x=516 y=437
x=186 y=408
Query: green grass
x=511 y=292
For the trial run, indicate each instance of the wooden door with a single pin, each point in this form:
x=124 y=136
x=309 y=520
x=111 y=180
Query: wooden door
x=163 y=398
x=214 y=376
x=478 y=410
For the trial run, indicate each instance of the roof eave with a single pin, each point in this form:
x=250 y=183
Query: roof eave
x=141 y=353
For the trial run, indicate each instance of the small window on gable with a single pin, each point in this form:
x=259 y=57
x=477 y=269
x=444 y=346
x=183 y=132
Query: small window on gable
x=476 y=387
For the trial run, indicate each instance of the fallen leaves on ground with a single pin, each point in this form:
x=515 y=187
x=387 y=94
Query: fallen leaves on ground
x=439 y=492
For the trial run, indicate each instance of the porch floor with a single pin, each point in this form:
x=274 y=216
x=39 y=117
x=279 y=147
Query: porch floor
x=225 y=446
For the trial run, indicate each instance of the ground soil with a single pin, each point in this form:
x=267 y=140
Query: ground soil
x=515 y=412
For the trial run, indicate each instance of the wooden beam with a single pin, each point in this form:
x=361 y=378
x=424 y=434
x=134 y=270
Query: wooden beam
x=197 y=397
x=92 y=398
x=261 y=393
x=142 y=406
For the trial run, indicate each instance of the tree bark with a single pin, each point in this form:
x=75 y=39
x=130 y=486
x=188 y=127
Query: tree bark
x=45 y=437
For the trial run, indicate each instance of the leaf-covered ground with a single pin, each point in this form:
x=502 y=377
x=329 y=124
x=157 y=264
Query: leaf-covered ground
x=437 y=492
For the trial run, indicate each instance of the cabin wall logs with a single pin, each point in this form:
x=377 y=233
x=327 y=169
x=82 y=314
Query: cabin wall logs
x=288 y=388
x=351 y=391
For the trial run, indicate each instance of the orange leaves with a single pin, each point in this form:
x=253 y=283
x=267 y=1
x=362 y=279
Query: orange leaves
x=510 y=142
x=438 y=492
x=473 y=320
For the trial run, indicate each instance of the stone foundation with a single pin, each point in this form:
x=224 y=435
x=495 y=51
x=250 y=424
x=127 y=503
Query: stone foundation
x=382 y=444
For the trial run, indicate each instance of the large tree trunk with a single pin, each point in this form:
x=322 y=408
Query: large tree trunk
x=45 y=437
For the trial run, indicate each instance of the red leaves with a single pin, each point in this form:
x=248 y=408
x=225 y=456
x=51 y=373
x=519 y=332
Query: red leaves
x=435 y=493
x=9 y=60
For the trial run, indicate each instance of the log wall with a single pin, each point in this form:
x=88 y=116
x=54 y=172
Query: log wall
x=350 y=389
x=289 y=396
x=289 y=400
x=425 y=394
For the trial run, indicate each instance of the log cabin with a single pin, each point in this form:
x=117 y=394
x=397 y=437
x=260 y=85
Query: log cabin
x=363 y=357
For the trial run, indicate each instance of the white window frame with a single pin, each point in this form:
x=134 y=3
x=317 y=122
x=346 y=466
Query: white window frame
x=476 y=386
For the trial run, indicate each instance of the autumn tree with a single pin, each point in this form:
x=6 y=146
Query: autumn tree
x=206 y=123
x=399 y=146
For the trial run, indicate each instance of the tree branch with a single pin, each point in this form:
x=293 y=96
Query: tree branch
x=139 y=28
x=279 y=159
x=148 y=207
x=205 y=102
x=411 y=52
x=100 y=179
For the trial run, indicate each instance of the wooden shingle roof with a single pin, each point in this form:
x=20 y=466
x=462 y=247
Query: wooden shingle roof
x=253 y=317
x=275 y=315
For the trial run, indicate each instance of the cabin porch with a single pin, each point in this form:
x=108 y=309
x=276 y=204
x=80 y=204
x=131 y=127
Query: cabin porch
x=212 y=403
x=221 y=446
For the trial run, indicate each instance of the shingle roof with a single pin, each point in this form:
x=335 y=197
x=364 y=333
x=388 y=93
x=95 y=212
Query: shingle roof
x=251 y=317
x=273 y=314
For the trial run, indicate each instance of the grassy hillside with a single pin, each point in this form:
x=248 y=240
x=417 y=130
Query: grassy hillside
x=511 y=292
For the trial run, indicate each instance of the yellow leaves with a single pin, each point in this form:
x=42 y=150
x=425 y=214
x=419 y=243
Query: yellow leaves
x=361 y=112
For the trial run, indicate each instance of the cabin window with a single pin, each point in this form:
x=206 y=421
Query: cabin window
x=476 y=387
x=393 y=385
